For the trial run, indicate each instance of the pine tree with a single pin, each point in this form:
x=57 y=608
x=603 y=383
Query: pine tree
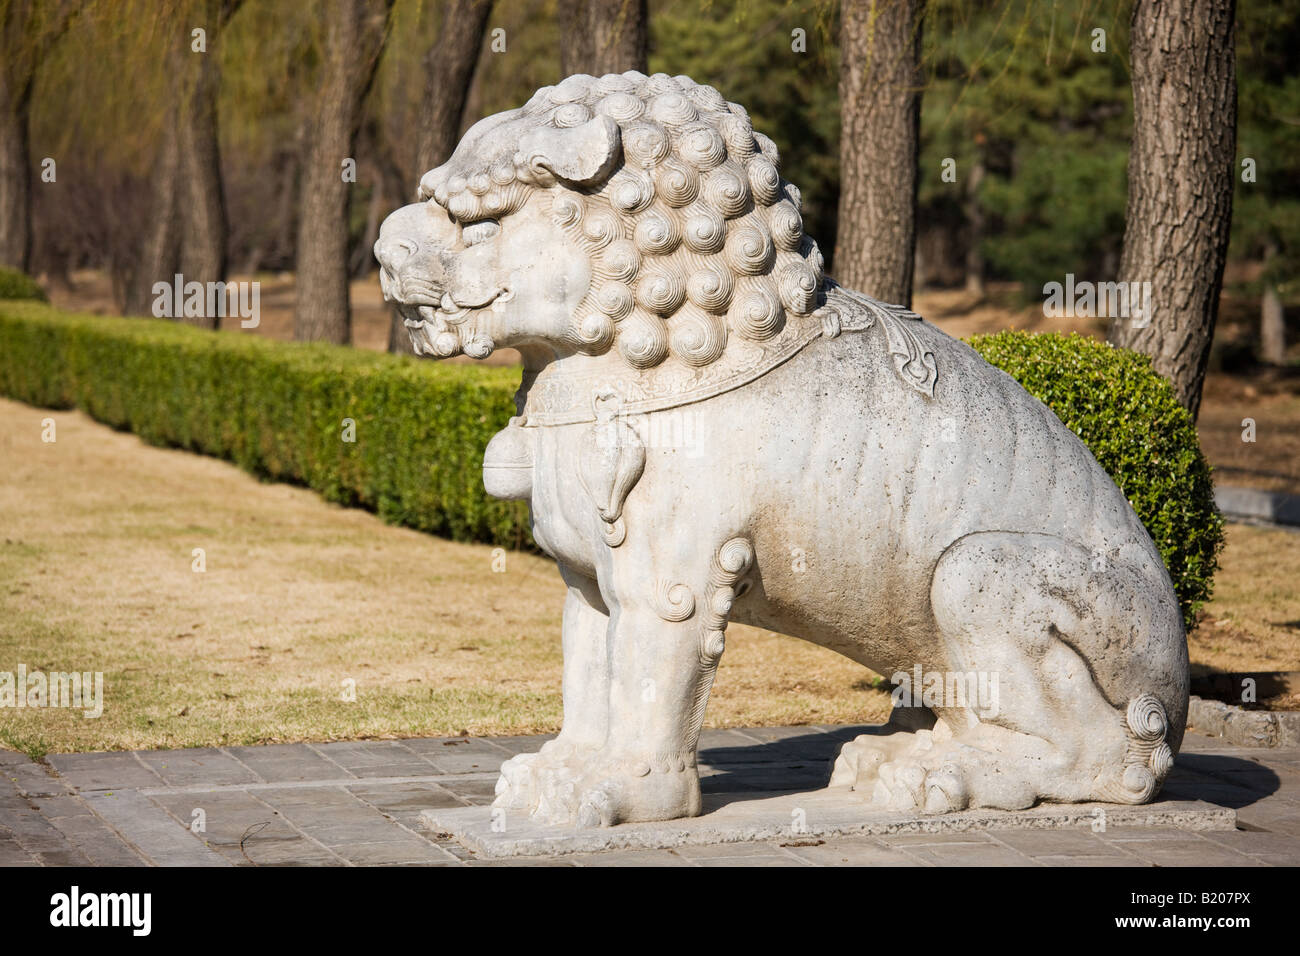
x=1266 y=208
x=1180 y=176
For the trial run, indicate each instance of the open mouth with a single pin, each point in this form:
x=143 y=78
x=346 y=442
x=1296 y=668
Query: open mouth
x=437 y=331
x=448 y=311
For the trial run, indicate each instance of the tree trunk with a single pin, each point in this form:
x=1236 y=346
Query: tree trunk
x=363 y=256
x=28 y=32
x=880 y=109
x=354 y=37
x=602 y=36
x=1180 y=180
x=975 y=220
x=159 y=258
x=15 y=179
x=187 y=223
x=448 y=70
x=290 y=164
x=202 y=199
x=1272 y=317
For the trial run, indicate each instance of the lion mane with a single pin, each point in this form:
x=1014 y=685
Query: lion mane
x=692 y=234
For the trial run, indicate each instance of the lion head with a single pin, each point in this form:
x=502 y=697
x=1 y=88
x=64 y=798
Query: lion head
x=633 y=214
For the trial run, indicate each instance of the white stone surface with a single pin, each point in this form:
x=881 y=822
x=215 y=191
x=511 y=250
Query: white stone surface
x=711 y=430
x=493 y=833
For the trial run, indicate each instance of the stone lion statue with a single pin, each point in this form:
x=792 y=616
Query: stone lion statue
x=709 y=429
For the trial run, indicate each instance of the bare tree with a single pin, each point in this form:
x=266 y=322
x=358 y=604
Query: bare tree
x=602 y=36
x=449 y=67
x=880 y=111
x=1272 y=314
x=448 y=71
x=187 y=225
x=975 y=219
x=354 y=36
x=28 y=30
x=1180 y=182
x=159 y=255
x=203 y=239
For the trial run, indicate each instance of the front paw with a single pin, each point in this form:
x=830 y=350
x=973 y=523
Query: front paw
x=639 y=791
x=531 y=781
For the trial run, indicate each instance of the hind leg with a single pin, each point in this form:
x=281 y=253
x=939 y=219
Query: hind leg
x=1072 y=657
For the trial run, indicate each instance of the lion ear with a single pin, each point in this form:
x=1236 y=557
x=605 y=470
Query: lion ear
x=581 y=155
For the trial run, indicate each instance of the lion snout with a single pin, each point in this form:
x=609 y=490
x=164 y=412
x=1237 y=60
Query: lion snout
x=410 y=250
x=399 y=278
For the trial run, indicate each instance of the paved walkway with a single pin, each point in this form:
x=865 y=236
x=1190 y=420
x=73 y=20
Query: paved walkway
x=358 y=803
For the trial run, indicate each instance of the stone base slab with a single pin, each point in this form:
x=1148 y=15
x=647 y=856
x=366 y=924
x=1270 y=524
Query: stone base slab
x=1244 y=728
x=738 y=818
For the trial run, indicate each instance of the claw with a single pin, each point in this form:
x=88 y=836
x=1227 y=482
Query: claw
x=595 y=810
x=858 y=763
x=514 y=786
x=899 y=785
x=945 y=791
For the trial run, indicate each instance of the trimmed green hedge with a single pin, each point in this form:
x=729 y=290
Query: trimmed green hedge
x=278 y=409
x=1127 y=415
x=19 y=285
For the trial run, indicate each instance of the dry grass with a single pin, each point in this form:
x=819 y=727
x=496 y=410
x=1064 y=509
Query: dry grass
x=298 y=596
x=1253 y=623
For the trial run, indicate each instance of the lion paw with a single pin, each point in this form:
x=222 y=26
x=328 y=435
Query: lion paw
x=565 y=785
x=541 y=782
x=951 y=777
x=859 y=761
x=931 y=772
x=909 y=784
x=634 y=792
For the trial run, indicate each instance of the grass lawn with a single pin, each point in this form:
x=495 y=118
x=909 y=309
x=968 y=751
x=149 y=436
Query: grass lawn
x=301 y=599
x=97 y=532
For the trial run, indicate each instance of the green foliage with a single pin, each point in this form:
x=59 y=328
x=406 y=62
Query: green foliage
x=1059 y=216
x=1130 y=420
x=19 y=285
x=1266 y=211
x=743 y=48
x=1020 y=90
x=277 y=409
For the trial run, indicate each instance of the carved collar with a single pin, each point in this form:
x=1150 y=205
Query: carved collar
x=563 y=396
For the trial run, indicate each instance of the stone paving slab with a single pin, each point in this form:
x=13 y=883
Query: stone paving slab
x=104 y=771
x=375 y=758
x=360 y=803
x=285 y=763
x=43 y=822
x=163 y=840
x=207 y=766
x=826 y=813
